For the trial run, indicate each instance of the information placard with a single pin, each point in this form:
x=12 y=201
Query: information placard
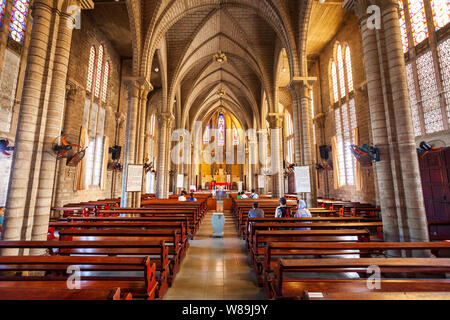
x=302 y=179
x=261 y=181
x=134 y=177
x=180 y=181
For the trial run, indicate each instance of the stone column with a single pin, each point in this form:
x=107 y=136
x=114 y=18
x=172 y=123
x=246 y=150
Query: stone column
x=414 y=226
x=129 y=156
x=162 y=169
x=53 y=126
x=304 y=149
x=276 y=123
x=18 y=219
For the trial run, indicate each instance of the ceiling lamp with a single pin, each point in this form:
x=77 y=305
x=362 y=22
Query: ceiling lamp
x=156 y=69
x=220 y=57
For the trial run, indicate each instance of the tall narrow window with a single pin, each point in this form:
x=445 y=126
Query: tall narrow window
x=206 y=135
x=2 y=10
x=313 y=113
x=105 y=81
x=418 y=20
x=340 y=145
x=441 y=13
x=235 y=135
x=18 y=20
x=403 y=27
x=334 y=81
x=340 y=62
x=98 y=76
x=90 y=75
x=444 y=60
x=348 y=65
x=289 y=139
x=221 y=130
x=429 y=93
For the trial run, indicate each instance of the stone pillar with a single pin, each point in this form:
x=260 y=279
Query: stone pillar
x=54 y=119
x=414 y=222
x=276 y=123
x=304 y=139
x=18 y=218
x=162 y=169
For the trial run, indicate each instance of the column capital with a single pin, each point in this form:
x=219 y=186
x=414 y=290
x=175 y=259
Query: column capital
x=319 y=120
x=359 y=7
x=299 y=87
x=275 y=120
x=137 y=87
x=165 y=117
x=83 y=4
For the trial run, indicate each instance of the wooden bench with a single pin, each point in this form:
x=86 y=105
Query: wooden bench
x=380 y=295
x=95 y=273
x=157 y=251
x=292 y=277
x=35 y=293
x=170 y=237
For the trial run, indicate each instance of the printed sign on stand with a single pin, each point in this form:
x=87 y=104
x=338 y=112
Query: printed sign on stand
x=302 y=179
x=134 y=177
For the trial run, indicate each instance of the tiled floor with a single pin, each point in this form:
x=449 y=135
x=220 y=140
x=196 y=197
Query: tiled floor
x=215 y=268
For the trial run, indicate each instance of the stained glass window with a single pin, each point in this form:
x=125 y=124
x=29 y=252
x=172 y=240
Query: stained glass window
x=91 y=67
x=441 y=13
x=340 y=145
x=348 y=65
x=206 y=135
x=152 y=125
x=444 y=61
x=221 y=130
x=98 y=77
x=235 y=136
x=105 y=82
x=311 y=93
x=289 y=126
x=289 y=138
x=429 y=93
x=18 y=20
x=340 y=61
x=403 y=27
x=418 y=20
x=334 y=81
x=2 y=10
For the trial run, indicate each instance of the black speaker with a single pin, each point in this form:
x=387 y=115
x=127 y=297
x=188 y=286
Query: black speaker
x=324 y=152
x=115 y=151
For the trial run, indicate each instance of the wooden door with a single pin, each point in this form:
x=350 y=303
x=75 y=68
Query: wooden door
x=435 y=175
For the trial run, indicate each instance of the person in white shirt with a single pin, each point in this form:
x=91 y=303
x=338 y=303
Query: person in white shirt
x=254 y=195
x=182 y=196
x=244 y=196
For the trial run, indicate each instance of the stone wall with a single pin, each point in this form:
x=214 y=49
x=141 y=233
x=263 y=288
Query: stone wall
x=82 y=41
x=349 y=34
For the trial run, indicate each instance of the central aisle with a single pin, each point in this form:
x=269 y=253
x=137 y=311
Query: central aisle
x=215 y=268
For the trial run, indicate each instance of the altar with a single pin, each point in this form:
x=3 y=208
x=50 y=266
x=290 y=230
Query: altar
x=213 y=185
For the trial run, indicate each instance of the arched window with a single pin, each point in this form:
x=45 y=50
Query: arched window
x=289 y=138
x=98 y=76
x=345 y=115
x=348 y=64
x=313 y=112
x=429 y=94
x=340 y=63
x=2 y=10
x=221 y=130
x=19 y=20
x=441 y=13
x=90 y=75
x=235 y=135
x=418 y=21
x=152 y=125
x=206 y=135
x=105 y=81
x=334 y=81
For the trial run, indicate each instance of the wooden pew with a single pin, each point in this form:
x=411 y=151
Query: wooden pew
x=293 y=276
x=156 y=250
x=45 y=293
x=170 y=237
x=51 y=272
x=274 y=251
x=263 y=238
x=201 y=205
x=379 y=295
x=178 y=226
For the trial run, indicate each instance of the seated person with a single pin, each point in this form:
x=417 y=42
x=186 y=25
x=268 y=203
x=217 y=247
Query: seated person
x=282 y=211
x=243 y=195
x=256 y=212
x=302 y=212
x=192 y=198
x=239 y=196
x=254 y=195
x=182 y=196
